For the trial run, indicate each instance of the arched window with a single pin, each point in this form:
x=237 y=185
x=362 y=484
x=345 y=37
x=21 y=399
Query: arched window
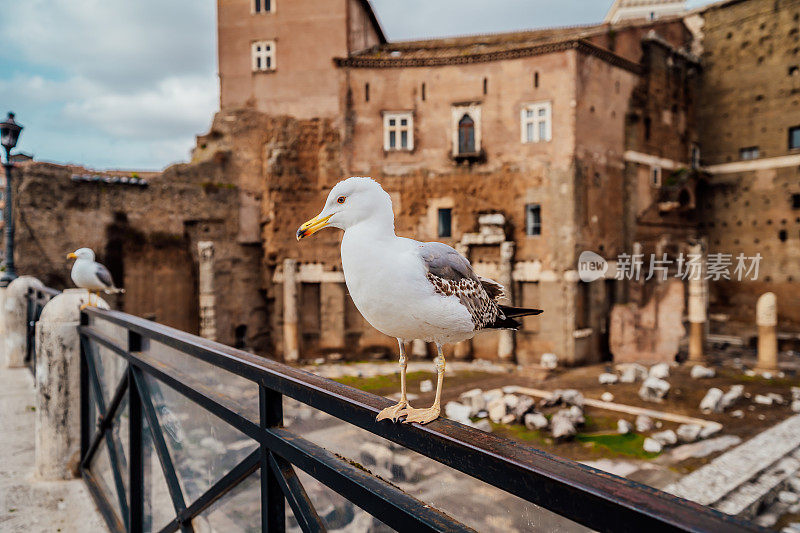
x=466 y=135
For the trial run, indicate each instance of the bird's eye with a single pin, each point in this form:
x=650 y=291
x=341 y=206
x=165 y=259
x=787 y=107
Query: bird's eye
x=340 y=200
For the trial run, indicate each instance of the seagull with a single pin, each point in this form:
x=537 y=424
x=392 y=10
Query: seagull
x=405 y=288
x=90 y=275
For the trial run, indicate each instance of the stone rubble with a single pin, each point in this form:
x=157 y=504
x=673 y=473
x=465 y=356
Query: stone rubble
x=535 y=421
x=474 y=399
x=660 y=371
x=426 y=385
x=652 y=446
x=607 y=397
x=631 y=372
x=549 y=361
x=525 y=405
x=562 y=425
x=729 y=398
x=497 y=410
x=624 y=427
x=701 y=372
x=710 y=401
x=483 y=425
x=777 y=398
x=762 y=399
x=665 y=438
x=563 y=396
x=458 y=412
x=607 y=378
x=644 y=423
x=654 y=389
x=688 y=432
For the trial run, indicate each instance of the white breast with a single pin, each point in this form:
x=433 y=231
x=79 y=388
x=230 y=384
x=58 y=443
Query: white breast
x=84 y=276
x=386 y=280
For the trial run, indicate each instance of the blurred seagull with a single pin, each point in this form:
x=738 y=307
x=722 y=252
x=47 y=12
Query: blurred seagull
x=90 y=275
x=405 y=288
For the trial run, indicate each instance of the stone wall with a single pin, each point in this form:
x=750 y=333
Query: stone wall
x=147 y=236
x=750 y=97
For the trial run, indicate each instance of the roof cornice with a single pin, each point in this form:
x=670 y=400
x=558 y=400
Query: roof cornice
x=549 y=48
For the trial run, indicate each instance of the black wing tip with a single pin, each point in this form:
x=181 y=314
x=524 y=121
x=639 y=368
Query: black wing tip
x=519 y=311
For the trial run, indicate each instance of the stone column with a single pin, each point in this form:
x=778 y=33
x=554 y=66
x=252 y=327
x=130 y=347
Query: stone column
x=291 y=350
x=58 y=385
x=505 y=343
x=697 y=311
x=767 y=320
x=15 y=311
x=332 y=327
x=207 y=298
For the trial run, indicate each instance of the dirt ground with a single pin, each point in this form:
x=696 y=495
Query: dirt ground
x=594 y=440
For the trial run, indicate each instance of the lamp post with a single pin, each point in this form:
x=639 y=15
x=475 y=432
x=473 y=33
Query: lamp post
x=9 y=133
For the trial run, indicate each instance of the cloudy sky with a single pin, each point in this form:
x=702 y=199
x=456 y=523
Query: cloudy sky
x=127 y=84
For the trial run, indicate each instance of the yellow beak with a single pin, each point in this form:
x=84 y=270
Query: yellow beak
x=72 y=255
x=312 y=226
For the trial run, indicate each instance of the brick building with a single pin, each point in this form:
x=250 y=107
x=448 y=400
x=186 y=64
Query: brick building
x=510 y=147
x=519 y=149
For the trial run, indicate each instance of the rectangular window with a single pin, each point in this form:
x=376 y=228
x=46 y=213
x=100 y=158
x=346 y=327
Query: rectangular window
x=746 y=154
x=533 y=219
x=445 y=222
x=794 y=138
x=263 y=53
x=695 y=156
x=262 y=6
x=536 y=120
x=398 y=131
x=655 y=176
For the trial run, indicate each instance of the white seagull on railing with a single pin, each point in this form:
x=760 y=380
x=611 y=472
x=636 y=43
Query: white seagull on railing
x=90 y=275
x=405 y=288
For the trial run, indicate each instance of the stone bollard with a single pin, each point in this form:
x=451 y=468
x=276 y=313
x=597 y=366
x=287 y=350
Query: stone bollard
x=58 y=385
x=16 y=319
x=697 y=313
x=767 y=320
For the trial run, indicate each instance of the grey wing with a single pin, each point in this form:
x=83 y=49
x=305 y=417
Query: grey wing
x=103 y=275
x=451 y=275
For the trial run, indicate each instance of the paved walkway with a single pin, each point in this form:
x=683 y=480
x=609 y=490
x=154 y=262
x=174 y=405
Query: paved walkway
x=723 y=475
x=27 y=504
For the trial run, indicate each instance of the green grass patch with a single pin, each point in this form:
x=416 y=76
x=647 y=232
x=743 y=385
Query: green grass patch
x=758 y=378
x=380 y=383
x=629 y=444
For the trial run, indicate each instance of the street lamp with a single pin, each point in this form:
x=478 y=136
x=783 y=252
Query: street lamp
x=9 y=133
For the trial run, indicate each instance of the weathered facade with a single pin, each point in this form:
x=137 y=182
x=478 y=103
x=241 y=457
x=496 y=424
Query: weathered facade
x=149 y=231
x=450 y=128
x=749 y=115
x=521 y=150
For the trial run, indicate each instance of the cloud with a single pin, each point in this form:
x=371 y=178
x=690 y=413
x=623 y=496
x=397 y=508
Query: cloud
x=109 y=83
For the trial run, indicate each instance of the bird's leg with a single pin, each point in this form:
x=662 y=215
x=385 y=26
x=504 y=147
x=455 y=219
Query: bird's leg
x=394 y=411
x=88 y=302
x=423 y=416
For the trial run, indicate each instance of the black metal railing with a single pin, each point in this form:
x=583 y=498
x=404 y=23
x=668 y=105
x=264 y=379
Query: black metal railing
x=172 y=386
x=37 y=299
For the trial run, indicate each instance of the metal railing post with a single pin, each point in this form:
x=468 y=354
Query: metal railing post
x=135 y=454
x=273 y=503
